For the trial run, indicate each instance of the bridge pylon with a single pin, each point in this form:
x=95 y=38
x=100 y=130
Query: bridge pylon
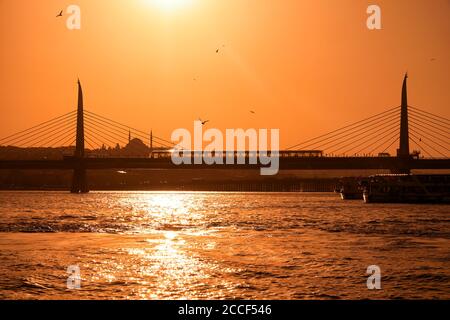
x=79 y=179
x=403 y=154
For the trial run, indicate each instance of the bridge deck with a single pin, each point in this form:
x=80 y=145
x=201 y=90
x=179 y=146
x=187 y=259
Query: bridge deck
x=316 y=163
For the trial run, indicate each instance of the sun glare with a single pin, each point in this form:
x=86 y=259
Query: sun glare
x=169 y=5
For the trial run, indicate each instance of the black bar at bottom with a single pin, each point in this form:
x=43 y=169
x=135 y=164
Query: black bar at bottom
x=239 y=309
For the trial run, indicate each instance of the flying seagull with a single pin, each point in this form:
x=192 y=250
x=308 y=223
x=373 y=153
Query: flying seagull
x=251 y=111
x=60 y=14
x=217 y=51
x=203 y=122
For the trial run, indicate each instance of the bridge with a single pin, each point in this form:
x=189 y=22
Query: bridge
x=360 y=145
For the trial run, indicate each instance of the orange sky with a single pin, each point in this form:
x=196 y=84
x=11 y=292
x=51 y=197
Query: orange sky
x=305 y=67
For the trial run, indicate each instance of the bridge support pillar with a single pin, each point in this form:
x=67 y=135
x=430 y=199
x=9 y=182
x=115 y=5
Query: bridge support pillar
x=403 y=155
x=79 y=179
x=402 y=166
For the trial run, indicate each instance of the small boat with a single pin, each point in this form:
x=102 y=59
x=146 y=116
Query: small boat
x=350 y=189
x=407 y=188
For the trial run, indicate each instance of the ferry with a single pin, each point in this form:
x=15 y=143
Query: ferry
x=407 y=188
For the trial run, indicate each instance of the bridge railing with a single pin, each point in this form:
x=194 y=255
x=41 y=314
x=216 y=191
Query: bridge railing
x=285 y=154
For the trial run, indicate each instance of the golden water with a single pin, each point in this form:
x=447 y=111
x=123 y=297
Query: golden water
x=155 y=245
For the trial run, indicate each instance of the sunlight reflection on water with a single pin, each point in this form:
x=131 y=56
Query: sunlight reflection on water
x=146 y=245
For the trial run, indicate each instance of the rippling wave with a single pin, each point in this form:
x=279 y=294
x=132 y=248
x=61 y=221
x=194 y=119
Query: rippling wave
x=154 y=245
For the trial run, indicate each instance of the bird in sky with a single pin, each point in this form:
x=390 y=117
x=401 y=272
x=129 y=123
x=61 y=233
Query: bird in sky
x=218 y=49
x=203 y=122
x=251 y=111
x=433 y=59
x=60 y=14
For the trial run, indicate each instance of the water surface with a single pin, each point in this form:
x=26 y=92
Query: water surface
x=155 y=245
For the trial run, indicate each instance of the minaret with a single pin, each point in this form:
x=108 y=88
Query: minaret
x=151 y=140
x=151 y=144
x=403 y=151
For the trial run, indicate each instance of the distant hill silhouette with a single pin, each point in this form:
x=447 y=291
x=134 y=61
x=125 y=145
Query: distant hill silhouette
x=135 y=148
